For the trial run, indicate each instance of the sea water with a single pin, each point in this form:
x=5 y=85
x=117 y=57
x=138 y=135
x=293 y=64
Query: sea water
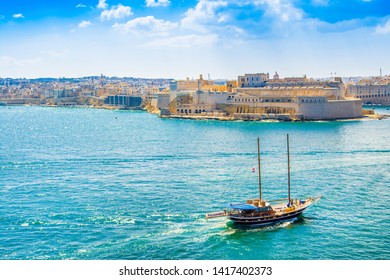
x=79 y=183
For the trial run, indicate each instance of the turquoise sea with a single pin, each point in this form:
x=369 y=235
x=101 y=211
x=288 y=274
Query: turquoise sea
x=78 y=183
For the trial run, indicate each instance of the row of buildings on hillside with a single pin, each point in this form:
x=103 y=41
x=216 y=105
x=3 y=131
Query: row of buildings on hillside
x=92 y=91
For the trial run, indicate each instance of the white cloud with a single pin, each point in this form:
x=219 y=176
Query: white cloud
x=116 y=12
x=84 y=24
x=157 y=3
x=146 y=25
x=282 y=10
x=81 y=6
x=18 y=16
x=383 y=29
x=204 y=12
x=248 y=19
x=102 y=5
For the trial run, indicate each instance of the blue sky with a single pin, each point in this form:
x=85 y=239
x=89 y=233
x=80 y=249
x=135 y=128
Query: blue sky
x=179 y=39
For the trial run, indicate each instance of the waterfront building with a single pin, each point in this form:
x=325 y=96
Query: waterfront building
x=282 y=105
x=125 y=101
x=372 y=91
x=291 y=98
x=196 y=102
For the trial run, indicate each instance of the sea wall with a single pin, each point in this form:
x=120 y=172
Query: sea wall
x=333 y=109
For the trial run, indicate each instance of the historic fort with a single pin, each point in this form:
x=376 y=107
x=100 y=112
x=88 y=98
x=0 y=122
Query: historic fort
x=257 y=97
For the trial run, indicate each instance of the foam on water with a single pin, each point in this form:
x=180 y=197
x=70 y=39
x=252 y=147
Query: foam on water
x=96 y=184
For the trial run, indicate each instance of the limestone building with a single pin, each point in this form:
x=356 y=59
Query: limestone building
x=258 y=97
x=253 y=80
x=372 y=91
x=294 y=98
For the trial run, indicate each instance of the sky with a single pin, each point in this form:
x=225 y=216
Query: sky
x=179 y=39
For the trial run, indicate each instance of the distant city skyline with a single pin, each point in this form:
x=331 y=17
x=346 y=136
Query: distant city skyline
x=179 y=39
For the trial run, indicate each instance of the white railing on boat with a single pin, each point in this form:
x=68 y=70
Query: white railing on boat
x=216 y=215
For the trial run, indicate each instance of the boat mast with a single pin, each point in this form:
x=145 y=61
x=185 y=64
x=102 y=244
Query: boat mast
x=258 y=163
x=288 y=167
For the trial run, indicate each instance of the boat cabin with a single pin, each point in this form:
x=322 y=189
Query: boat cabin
x=249 y=210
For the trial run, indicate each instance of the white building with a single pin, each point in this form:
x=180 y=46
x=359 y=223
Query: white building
x=253 y=80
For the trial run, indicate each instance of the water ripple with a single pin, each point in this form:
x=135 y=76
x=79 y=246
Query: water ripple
x=96 y=184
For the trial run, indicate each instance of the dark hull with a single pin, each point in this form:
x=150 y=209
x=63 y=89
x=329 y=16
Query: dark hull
x=267 y=220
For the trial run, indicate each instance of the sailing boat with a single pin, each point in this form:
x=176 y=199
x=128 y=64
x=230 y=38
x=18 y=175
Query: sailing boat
x=262 y=213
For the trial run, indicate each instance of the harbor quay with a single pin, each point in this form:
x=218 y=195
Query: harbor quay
x=250 y=97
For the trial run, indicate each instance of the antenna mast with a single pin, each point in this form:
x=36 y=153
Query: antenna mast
x=258 y=162
x=288 y=167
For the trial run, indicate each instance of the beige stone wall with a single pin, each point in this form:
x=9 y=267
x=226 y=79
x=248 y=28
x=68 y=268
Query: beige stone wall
x=331 y=93
x=193 y=84
x=333 y=109
x=279 y=108
x=210 y=98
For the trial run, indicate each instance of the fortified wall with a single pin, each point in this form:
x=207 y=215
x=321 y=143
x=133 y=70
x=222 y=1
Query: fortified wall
x=261 y=98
